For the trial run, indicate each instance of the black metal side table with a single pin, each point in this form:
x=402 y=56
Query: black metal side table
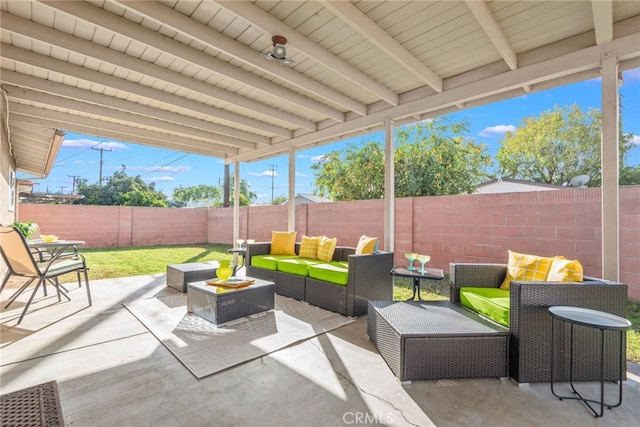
x=590 y=319
x=417 y=275
x=238 y=251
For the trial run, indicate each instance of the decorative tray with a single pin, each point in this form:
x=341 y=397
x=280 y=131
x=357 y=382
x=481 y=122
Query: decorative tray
x=232 y=282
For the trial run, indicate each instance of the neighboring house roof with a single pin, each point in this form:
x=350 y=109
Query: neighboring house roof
x=27 y=194
x=302 y=198
x=506 y=185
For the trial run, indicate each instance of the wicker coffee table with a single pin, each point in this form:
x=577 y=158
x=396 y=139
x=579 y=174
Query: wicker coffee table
x=436 y=340
x=220 y=305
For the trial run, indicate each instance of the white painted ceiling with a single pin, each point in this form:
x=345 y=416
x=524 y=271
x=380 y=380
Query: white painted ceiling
x=190 y=75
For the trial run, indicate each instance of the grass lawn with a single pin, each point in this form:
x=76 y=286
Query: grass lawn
x=124 y=262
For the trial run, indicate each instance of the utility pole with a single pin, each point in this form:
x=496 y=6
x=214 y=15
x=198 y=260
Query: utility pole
x=101 y=150
x=62 y=189
x=225 y=191
x=272 y=168
x=75 y=178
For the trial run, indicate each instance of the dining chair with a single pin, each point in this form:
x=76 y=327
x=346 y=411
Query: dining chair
x=21 y=262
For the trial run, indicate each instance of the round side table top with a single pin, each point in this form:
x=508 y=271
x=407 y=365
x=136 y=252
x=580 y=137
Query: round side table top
x=588 y=317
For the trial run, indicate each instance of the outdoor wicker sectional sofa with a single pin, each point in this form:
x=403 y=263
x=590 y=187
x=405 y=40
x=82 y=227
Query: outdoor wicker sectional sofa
x=530 y=323
x=368 y=277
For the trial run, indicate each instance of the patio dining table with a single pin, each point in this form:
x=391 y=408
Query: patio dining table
x=56 y=249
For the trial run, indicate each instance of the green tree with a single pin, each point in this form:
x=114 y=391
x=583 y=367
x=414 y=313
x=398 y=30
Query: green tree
x=436 y=157
x=246 y=195
x=121 y=190
x=200 y=195
x=279 y=200
x=357 y=173
x=556 y=146
x=433 y=157
x=630 y=175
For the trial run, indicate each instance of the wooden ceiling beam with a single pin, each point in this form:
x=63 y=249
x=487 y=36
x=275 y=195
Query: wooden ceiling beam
x=561 y=67
x=119 y=116
x=166 y=16
x=95 y=127
x=357 y=20
x=87 y=96
x=47 y=63
x=103 y=19
x=256 y=16
x=115 y=58
x=602 y=20
x=492 y=28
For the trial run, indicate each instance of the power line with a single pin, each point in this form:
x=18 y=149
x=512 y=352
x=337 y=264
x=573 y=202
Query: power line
x=79 y=152
x=165 y=165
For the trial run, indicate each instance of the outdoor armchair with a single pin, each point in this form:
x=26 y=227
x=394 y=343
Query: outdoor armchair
x=22 y=262
x=530 y=322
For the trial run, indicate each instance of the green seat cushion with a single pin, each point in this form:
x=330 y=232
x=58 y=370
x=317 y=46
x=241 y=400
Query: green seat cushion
x=269 y=262
x=70 y=264
x=491 y=302
x=336 y=272
x=299 y=266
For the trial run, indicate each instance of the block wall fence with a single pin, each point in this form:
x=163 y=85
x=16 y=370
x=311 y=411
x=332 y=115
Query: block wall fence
x=463 y=228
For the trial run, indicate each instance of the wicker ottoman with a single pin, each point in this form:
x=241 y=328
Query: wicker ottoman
x=178 y=275
x=436 y=340
x=220 y=305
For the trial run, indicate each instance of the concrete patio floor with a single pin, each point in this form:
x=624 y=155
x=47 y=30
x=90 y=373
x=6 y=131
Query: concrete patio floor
x=111 y=371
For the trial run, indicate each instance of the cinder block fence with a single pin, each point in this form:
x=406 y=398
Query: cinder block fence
x=463 y=228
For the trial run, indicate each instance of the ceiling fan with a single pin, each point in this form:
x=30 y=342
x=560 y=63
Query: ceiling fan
x=279 y=52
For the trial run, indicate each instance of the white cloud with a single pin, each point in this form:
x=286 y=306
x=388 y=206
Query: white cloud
x=631 y=75
x=316 y=159
x=497 y=130
x=268 y=173
x=88 y=143
x=164 y=169
x=85 y=162
x=160 y=179
x=301 y=175
x=635 y=139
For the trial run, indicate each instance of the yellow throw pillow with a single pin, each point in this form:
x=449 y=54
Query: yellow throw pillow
x=309 y=247
x=565 y=270
x=283 y=243
x=366 y=245
x=528 y=268
x=327 y=248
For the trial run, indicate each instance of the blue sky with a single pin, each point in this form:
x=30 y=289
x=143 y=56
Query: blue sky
x=79 y=154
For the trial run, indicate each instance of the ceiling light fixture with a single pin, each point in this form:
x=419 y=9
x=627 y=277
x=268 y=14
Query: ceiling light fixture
x=279 y=52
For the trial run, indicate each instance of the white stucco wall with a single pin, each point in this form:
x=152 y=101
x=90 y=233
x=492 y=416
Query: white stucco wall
x=7 y=171
x=8 y=210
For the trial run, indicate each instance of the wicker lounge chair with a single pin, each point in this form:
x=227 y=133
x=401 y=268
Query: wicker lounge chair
x=530 y=322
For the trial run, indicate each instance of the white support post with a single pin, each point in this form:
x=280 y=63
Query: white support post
x=610 y=168
x=291 y=206
x=236 y=201
x=389 y=186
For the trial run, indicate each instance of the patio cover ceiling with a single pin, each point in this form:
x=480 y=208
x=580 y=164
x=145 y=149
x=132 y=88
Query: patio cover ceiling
x=190 y=75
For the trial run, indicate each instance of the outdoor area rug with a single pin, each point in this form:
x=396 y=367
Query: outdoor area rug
x=204 y=348
x=34 y=406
